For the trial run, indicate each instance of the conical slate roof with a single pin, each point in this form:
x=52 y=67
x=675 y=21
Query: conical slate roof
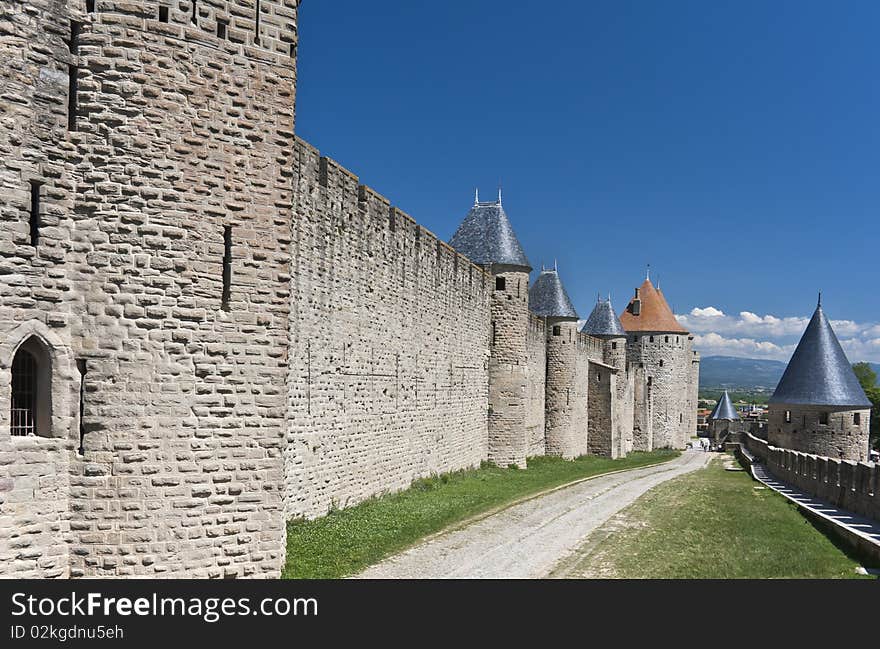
x=486 y=237
x=819 y=372
x=724 y=409
x=603 y=321
x=547 y=297
x=654 y=313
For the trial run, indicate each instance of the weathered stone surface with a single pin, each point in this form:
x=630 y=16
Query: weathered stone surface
x=671 y=370
x=178 y=134
x=388 y=372
x=854 y=486
x=799 y=427
x=353 y=352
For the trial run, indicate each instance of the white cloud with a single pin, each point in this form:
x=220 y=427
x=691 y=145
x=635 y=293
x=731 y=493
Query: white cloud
x=708 y=312
x=747 y=324
x=749 y=334
x=712 y=344
x=847 y=328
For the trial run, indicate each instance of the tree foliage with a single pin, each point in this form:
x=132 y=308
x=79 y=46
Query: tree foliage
x=868 y=379
x=867 y=376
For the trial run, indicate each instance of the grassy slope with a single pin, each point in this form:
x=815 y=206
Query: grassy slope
x=715 y=524
x=346 y=541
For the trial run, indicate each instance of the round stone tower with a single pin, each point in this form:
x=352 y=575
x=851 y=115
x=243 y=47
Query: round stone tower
x=486 y=237
x=604 y=324
x=819 y=406
x=150 y=151
x=565 y=408
x=723 y=419
x=661 y=347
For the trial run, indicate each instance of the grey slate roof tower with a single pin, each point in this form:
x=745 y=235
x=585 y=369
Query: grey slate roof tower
x=603 y=322
x=819 y=406
x=819 y=372
x=547 y=297
x=724 y=409
x=486 y=237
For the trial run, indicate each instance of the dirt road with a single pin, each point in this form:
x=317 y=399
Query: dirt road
x=529 y=539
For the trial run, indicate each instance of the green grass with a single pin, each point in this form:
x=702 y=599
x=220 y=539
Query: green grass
x=345 y=541
x=716 y=524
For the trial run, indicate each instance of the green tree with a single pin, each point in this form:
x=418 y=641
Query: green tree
x=867 y=376
x=874 y=395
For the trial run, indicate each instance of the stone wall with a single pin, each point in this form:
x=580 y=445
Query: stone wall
x=845 y=435
x=389 y=332
x=603 y=424
x=721 y=429
x=182 y=129
x=35 y=281
x=536 y=349
x=693 y=393
x=508 y=443
x=667 y=361
x=643 y=408
x=614 y=355
x=854 y=486
x=566 y=401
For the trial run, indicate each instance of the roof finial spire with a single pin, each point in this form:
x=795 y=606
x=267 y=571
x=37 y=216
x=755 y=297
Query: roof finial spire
x=555 y=267
x=658 y=282
x=609 y=297
x=499 y=192
x=820 y=300
x=648 y=273
x=476 y=195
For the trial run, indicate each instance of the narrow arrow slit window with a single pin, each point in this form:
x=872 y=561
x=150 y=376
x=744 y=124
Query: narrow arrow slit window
x=227 y=267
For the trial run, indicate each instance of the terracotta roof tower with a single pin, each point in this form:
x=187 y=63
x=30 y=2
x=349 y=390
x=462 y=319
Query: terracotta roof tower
x=648 y=311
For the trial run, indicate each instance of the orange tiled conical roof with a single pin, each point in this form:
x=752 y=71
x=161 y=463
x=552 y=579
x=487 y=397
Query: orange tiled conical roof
x=654 y=313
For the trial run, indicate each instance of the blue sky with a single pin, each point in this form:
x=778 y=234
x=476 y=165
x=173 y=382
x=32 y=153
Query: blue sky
x=734 y=146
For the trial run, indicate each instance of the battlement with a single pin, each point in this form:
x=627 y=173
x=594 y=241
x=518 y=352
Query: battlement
x=847 y=484
x=389 y=340
x=590 y=345
x=376 y=216
x=261 y=30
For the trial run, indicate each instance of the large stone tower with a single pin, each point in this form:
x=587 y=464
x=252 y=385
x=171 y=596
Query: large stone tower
x=663 y=348
x=819 y=406
x=145 y=193
x=565 y=411
x=604 y=324
x=486 y=237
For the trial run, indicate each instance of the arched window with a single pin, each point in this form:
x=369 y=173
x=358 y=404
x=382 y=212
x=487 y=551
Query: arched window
x=31 y=390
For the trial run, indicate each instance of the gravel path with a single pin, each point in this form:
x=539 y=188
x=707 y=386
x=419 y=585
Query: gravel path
x=528 y=539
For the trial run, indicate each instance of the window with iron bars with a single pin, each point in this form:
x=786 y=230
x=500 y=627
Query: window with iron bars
x=24 y=394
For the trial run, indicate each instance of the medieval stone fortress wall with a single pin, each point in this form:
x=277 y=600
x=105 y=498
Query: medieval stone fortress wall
x=207 y=328
x=387 y=369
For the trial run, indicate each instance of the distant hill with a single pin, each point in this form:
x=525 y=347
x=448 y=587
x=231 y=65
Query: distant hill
x=748 y=374
x=733 y=373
